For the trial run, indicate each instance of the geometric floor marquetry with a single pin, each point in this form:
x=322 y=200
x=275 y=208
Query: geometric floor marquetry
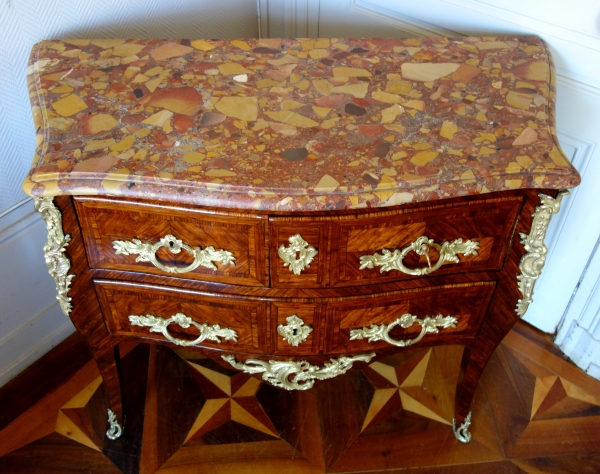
x=533 y=412
x=75 y=420
x=228 y=397
x=415 y=385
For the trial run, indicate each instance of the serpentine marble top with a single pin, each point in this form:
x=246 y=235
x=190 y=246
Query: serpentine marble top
x=294 y=124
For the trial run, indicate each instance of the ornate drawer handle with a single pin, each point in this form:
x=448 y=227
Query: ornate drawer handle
x=294 y=331
x=296 y=375
x=306 y=254
x=382 y=332
x=157 y=324
x=147 y=253
x=393 y=260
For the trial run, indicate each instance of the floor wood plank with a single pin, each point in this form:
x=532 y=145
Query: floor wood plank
x=49 y=372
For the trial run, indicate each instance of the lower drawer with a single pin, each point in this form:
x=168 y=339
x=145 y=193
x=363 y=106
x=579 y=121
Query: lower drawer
x=295 y=327
x=157 y=314
x=436 y=315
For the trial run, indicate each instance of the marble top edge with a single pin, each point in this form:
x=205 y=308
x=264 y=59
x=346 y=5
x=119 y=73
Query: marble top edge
x=294 y=124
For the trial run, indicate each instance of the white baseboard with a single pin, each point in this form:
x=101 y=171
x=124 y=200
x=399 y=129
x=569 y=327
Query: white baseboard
x=31 y=322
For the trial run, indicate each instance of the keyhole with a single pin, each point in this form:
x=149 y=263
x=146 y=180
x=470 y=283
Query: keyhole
x=295 y=332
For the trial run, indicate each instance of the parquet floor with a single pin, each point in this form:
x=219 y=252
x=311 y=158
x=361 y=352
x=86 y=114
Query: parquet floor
x=533 y=412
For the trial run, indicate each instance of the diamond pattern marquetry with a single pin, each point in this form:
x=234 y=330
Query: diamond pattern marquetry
x=414 y=386
x=554 y=397
x=533 y=412
x=547 y=398
x=228 y=398
x=75 y=419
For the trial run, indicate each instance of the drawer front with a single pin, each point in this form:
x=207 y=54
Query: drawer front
x=137 y=227
x=247 y=318
x=298 y=253
x=462 y=306
x=487 y=224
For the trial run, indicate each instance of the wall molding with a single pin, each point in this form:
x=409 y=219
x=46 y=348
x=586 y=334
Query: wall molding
x=577 y=86
x=405 y=23
x=33 y=352
x=521 y=19
x=590 y=286
x=289 y=18
x=17 y=221
x=304 y=19
x=579 y=334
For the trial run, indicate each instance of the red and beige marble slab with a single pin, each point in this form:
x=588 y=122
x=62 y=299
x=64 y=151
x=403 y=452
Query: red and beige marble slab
x=294 y=124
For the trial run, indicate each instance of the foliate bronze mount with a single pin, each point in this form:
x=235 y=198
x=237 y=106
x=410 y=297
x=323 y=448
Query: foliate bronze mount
x=296 y=375
x=114 y=430
x=534 y=260
x=382 y=332
x=160 y=325
x=462 y=432
x=146 y=252
x=298 y=255
x=393 y=260
x=54 y=250
x=295 y=331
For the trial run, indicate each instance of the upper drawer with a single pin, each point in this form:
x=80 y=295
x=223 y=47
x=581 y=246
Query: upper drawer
x=167 y=240
x=387 y=246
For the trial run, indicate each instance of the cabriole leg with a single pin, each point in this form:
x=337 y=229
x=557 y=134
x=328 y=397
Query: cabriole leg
x=108 y=364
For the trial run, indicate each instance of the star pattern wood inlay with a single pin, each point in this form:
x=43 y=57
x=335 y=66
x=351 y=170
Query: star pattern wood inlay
x=228 y=398
x=75 y=420
x=550 y=396
x=413 y=385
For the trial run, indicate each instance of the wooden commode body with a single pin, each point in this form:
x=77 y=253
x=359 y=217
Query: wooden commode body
x=294 y=208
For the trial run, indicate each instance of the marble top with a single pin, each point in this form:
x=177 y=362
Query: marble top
x=294 y=124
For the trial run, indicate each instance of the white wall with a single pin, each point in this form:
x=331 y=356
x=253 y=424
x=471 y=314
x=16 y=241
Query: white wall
x=30 y=320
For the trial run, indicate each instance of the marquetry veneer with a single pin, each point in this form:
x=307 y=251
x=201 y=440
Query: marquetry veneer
x=488 y=221
x=105 y=221
x=257 y=294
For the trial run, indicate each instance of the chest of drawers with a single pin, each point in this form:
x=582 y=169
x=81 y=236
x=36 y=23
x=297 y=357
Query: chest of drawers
x=295 y=211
